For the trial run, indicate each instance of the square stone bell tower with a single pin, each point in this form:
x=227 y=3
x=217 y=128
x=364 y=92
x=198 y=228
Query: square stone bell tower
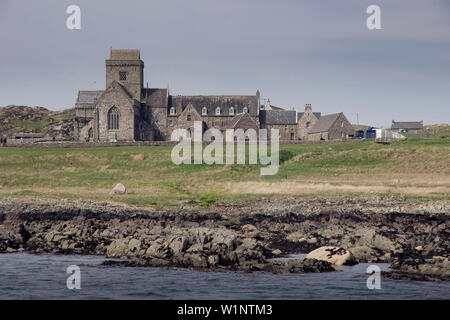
x=126 y=67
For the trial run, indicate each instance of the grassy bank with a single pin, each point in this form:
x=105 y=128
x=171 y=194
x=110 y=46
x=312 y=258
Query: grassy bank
x=413 y=168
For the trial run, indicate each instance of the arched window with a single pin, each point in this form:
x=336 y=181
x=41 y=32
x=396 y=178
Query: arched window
x=218 y=111
x=308 y=124
x=113 y=119
x=204 y=111
x=172 y=111
x=245 y=110
x=231 y=110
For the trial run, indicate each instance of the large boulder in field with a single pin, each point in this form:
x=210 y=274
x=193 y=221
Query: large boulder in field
x=118 y=189
x=334 y=255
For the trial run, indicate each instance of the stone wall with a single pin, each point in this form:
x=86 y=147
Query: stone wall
x=246 y=122
x=158 y=120
x=86 y=133
x=305 y=123
x=129 y=109
x=316 y=137
x=341 y=129
x=134 y=70
x=285 y=132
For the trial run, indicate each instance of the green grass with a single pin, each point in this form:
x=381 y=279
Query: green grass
x=421 y=166
x=437 y=131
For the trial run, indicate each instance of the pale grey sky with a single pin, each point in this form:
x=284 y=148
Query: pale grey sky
x=294 y=51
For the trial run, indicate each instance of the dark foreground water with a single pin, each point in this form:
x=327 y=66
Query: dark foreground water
x=25 y=276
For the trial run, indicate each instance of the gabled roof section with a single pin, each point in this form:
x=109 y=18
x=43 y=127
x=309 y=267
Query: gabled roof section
x=125 y=54
x=280 y=117
x=115 y=85
x=190 y=108
x=270 y=107
x=316 y=114
x=235 y=120
x=86 y=96
x=411 y=125
x=234 y=124
x=324 y=123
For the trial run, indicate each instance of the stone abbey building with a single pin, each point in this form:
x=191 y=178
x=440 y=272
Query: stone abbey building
x=127 y=111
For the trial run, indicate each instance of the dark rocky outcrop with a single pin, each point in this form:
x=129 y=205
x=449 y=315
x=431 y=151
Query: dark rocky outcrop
x=413 y=237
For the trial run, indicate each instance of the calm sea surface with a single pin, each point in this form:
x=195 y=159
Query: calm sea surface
x=25 y=276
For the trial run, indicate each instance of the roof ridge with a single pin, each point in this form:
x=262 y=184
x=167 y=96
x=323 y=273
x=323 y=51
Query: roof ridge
x=218 y=95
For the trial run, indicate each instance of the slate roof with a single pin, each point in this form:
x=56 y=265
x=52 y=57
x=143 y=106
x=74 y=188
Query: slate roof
x=86 y=96
x=324 y=123
x=224 y=102
x=273 y=107
x=235 y=120
x=411 y=125
x=317 y=114
x=276 y=108
x=156 y=98
x=122 y=87
x=283 y=117
x=125 y=54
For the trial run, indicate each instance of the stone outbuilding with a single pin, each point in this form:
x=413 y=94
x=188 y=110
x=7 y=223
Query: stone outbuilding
x=411 y=126
x=331 y=127
x=277 y=118
x=306 y=120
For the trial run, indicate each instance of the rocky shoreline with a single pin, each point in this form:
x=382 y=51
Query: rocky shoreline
x=238 y=236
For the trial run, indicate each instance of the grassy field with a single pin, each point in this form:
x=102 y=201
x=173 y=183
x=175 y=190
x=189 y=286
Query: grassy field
x=416 y=168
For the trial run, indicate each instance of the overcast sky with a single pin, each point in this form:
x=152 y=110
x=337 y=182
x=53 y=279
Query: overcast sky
x=294 y=51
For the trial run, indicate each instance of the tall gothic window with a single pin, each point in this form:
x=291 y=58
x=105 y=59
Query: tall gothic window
x=218 y=111
x=113 y=119
x=172 y=111
x=245 y=110
x=204 y=111
x=231 y=110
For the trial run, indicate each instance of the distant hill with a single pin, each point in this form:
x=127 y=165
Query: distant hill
x=437 y=130
x=36 y=120
x=360 y=127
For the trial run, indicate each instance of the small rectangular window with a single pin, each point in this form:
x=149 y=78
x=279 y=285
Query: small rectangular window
x=122 y=75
